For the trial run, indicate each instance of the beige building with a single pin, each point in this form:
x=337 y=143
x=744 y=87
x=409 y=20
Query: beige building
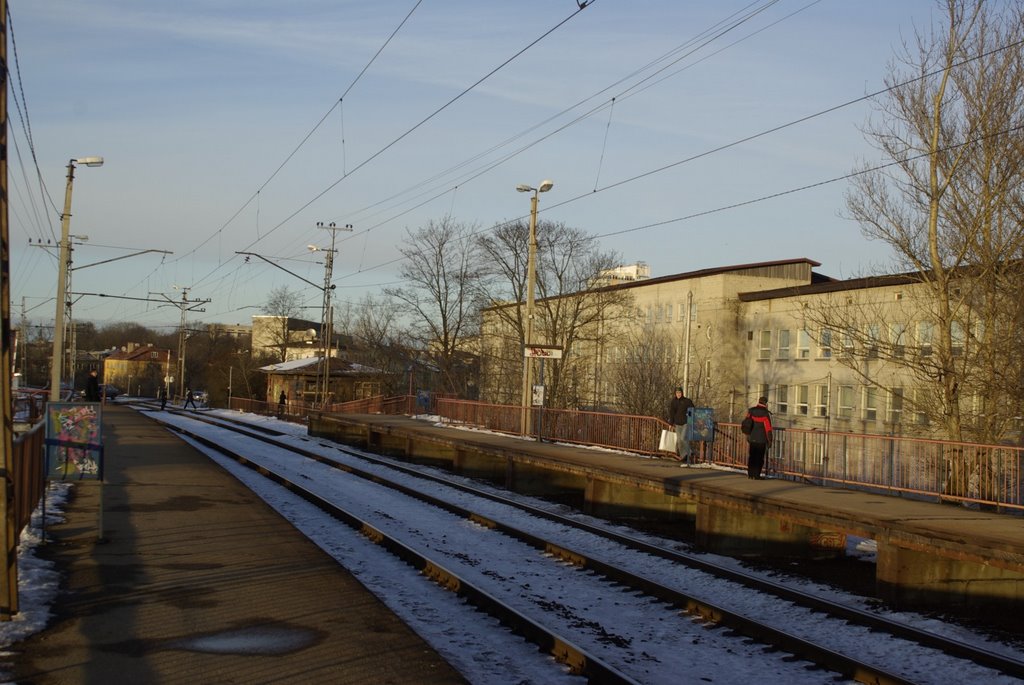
x=730 y=334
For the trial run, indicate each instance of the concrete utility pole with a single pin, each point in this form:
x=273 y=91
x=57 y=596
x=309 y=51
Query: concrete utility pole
x=63 y=267
x=531 y=277
x=327 y=315
x=185 y=305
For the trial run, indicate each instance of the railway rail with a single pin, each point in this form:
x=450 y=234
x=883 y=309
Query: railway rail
x=774 y=629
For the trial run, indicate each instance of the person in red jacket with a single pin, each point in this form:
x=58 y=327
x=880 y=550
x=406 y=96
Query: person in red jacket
x=759 y=421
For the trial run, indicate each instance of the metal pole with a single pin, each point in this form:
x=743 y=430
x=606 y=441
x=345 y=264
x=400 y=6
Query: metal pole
x=56 y=369
x=531 y=277
x=8 y=532
x=686 y=350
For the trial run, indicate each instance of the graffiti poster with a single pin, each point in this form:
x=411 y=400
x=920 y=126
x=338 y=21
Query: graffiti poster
x=700 y=426
x=74 y=449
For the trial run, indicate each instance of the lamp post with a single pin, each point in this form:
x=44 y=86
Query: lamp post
x=57 y=368
x=327 y=314
x=531 y=277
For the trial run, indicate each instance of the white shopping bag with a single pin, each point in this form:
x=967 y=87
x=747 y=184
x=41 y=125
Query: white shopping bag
x=668 y=441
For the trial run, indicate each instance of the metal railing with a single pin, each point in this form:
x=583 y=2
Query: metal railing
x=27 y=477
x=967 y=473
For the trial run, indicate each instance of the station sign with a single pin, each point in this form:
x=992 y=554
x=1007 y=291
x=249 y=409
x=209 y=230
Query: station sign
x=542 y=352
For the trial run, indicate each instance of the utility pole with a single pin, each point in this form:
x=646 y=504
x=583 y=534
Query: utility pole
x=327 y=316
x=8 y=534
x=185 y=305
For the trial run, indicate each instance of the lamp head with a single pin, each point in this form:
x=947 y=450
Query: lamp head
x=90 y=161
x=546 y=185
x=523 y=188
x=312 y=248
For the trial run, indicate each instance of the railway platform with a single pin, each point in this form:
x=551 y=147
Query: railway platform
x=196 y=580
x=930 y=554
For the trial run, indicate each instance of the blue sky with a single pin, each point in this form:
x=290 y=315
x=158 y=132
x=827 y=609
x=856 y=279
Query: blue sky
x=195 y=104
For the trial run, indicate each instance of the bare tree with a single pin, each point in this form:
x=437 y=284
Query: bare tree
x=571 y=308
x=442 y=267
x=284 y=304
x=949 y=207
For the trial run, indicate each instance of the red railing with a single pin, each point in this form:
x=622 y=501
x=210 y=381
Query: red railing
x=27 y=478
x=973 y=474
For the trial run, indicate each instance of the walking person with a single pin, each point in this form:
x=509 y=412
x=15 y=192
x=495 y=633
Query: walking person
x=757 y=425
x=92 y=387
x=677 y=410
x=281 y=401
x=189 y=397
x=163 y=398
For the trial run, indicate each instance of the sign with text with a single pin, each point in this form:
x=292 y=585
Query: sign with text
x=542 y=352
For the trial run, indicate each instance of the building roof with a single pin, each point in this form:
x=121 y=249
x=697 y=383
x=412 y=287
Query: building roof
x=139 y=354
x=311 y=364
x=834 y=286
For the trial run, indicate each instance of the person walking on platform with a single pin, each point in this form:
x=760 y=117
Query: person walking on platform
x=163 y=398
x=92 y=387
x=189 y=397
x=677 y=411
x=757 y=425
x=281 y=401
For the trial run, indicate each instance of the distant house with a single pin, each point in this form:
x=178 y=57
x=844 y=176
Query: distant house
x=298 y=378
x=137 y=369
x=285 y=338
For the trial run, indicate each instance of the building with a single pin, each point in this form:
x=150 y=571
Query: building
x=137 y=369
x=285 y=338
x=299 y=379
x=840 y=355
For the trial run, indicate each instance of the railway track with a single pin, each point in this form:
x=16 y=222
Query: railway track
x=639 y=569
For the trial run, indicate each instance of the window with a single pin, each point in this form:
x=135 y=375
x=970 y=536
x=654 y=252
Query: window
x=801 y=400
x=668 y=313
x=921 y=400
x=845 y=401
x=707 y=371
x=896 y=405
x=764 y=344
x=898 y=337
x=804 y=345
x=783 y=351
x=870 y=404
x=958 y=337
x=782 y=399
x=825 y=344
x=762 y=390
x=693 y=311
x=874 y=338
x=925 y=337
x=658 y=309
x=821 y=400
x=847 y=343
x=682 y=312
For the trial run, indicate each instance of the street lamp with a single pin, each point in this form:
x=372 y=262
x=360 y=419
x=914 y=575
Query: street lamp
x=531 y=277
x=62 y=278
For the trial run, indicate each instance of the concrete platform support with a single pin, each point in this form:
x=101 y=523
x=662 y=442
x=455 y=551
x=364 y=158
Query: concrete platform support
x=909 y=578
x=737 y=532
x=626 y=501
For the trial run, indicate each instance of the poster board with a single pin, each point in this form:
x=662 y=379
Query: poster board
x=74 y=448
x=700 y=426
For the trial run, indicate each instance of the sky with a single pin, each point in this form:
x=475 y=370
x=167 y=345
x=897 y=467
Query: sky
x=237 y=125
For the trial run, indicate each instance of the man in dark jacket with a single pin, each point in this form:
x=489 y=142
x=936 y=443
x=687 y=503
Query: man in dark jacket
x=677 y=409
x=92 y=387
x=760 y=436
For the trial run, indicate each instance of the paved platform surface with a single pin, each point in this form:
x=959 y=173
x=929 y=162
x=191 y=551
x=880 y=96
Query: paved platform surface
x=200 y=582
